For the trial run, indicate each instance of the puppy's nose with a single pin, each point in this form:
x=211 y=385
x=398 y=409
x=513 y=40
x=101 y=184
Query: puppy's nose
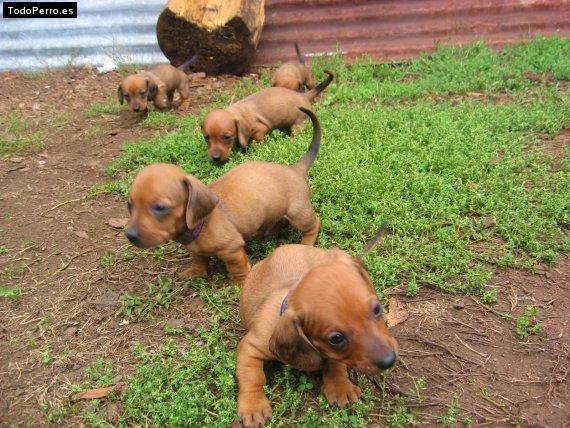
x=217 y=157
x=387 y=361
x=133 y=235
x=137 y=109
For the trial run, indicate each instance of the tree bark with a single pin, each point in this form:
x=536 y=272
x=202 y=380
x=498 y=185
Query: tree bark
x=224 y=32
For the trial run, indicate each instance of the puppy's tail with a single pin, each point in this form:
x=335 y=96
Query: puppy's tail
x=309 y=157
x=372 y=242
x=300 y=56
x=312 y=94
x=190 y=63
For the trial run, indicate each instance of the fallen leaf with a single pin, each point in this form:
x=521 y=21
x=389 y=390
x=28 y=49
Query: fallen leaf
x=92 y=394
x=489 y=222
x=118 y=223
x=82 y=234
x=397 y=312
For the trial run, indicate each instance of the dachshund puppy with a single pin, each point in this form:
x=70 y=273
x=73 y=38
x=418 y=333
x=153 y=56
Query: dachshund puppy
x=294 y=75
x=157 y=85
x=313 y=309
x=255 y=116
x=166 y=204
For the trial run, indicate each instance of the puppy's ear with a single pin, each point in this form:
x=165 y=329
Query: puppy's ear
x=243 y=133
x=120 y=94
x=201 y=201
x=151 y=90
x=290 y=344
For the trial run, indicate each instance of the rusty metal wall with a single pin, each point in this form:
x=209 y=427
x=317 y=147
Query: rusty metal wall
x=397 y=29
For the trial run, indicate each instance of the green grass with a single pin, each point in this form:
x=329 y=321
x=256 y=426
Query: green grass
x=110 y=106
x=527 y=324
x=407 y=143
x=18 y=134
x=12 y=293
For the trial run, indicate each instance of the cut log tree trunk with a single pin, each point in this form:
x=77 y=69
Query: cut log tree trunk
x=224 y=32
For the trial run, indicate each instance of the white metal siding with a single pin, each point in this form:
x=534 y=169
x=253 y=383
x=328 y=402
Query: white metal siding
x=104 y=33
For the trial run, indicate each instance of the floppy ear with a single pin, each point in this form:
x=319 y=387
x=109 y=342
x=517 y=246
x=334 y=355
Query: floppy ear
x=290 y=344
x=151 y=90
x=120 y=94
x=201 y=201
x=243 y=133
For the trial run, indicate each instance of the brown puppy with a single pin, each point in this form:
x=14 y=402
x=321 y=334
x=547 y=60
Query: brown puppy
x=166 y=204
x=294 y=75
x=157 y=85
x=313 y=309
x=255 y=116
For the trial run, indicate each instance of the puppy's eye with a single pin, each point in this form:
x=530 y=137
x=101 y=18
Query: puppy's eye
x=130 y=206
x=142 y=93
x=159 y=209
x=127 y=97
x=228 y=138
x=337 y=340
x=377 y=310
x=206 y=138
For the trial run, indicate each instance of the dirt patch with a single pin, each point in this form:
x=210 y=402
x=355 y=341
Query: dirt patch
x=461 y=346
x=63 y=255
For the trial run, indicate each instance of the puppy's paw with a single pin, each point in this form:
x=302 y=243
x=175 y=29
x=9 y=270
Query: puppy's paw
x=193 y=273
x=341 y=392
x=254 y=409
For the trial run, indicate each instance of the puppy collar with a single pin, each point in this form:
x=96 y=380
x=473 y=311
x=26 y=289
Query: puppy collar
x=190 y=236
x=285 y=302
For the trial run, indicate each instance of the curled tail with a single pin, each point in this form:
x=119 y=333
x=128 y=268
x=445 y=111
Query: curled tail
x=312 y=94
x=300 y=56
x=309 y=157
x=372 y=242
x=188 y=64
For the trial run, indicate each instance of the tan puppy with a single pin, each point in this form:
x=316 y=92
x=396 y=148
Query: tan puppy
x=313 y=309
x=255 y=116
x=166 y=204
x=157 y=85
x=294 y=75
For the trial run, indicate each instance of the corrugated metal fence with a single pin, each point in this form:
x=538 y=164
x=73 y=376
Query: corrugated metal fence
x=397 y=29
x=104 y=32
x=123 y=31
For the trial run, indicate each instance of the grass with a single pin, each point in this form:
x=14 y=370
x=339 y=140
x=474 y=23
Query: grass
x=18 y=134
x=437 y=147
x=527 y=324
x=110 y=106
x=12 y=293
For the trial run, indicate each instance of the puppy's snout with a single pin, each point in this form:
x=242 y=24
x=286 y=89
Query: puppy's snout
x=136 y=109
x=216 y=157
x=387 y=361
x=133 y=235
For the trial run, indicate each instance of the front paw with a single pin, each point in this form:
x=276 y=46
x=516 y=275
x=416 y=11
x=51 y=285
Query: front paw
x=254 y=409
x=341 y=392
x=193 y=273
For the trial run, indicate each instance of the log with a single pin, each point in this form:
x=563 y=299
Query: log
x=224 y=32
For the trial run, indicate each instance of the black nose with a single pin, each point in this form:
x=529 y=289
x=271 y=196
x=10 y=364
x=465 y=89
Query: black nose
x=387 y=361
x=133 y=235
x=137 y=109
x=216 y=158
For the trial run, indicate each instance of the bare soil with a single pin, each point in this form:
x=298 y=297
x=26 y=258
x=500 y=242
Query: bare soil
x=57 y=233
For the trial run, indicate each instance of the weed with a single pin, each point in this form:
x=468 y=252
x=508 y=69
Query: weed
x=400 y=415
x=59 y=121
x=108 y=259
x=449 y=420
x=527 y=324
x=47 y=358
x=489 y=297
x=158 y=295
x=101 y=372
x=43 y=324
x=413 y=288
x=4 y=249
x=12 y=293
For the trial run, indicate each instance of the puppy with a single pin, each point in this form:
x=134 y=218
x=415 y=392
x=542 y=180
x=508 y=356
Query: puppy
x=294 y=75
x=157 y=85
x=255 y=116
x=313 y=309
x=166 y=204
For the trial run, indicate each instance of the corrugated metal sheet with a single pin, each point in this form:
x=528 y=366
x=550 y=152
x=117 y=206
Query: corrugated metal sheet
x=105 y=31
x=396 y=29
